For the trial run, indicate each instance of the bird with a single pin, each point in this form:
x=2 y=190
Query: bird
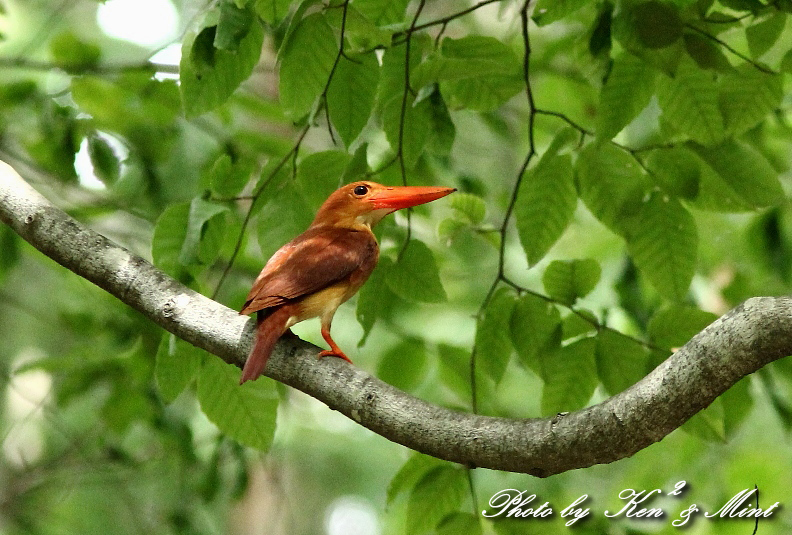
x=312 y=275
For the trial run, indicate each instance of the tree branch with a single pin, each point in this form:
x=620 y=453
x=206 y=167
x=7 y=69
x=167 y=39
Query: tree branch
x=755 y=333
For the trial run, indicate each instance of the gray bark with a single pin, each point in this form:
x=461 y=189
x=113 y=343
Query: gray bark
x=755 y=333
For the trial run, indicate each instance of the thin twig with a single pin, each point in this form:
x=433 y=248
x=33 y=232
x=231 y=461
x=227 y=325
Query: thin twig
x=500 y=277
x=727 y=46
x=254 y=198
x=443 y=20
x=402 y=117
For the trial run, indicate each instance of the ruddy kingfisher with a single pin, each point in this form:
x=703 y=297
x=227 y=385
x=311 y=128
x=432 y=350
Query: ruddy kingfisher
x=324 y=266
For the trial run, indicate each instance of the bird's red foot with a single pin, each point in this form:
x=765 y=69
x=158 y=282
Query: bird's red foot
x=331 y=353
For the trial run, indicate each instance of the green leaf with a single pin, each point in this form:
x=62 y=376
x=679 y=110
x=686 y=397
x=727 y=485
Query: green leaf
x=545 y=204
x=470 y=207
x=708 y=424
x=375 y=299
x=350 y=97
x=415 y=276
x=627 y=91
x=201 y=212
x=73 y=54
x=460 y=523
x=737 y=403
x=418 y=116
x=168 y=239
x=706 y=54
x=676 y=170
x=228 y=179
x=404 y=365
x=272 y=11
x=9 y=245
x=415 y=132
x=319 y=174
x=306 y=60
x=748 y=97
x=442 y=132
x=657 y=24
x=581 y=323
x=454 y=370
x=437 y=494
x=245 y=412
x=745 y=172
x=104 y=160
x=611 y=184
x=548 y=11
x=621 y=361
x=383 y=12
x=689 y=102
x=569 y=280
x=409 y=474
x=286 y=215
x=493 y=343
x=663 y=244
x=177 y=364
x=493 y=73
x=571 y=377
x=233 y=26
x=674 y=325
x=535 y=327
x=209 y=76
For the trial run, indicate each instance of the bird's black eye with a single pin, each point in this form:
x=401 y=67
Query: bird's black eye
x=360 y=190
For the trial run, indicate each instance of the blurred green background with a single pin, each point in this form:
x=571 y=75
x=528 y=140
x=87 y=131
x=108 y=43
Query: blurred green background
x=93 y=442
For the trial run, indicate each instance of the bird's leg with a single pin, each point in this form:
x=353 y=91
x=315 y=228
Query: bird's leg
x=334 y=350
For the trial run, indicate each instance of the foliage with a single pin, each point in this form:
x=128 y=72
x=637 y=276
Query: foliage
x=622 y=168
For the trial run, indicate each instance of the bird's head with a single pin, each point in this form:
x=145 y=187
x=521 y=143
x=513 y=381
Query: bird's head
x=367 y=202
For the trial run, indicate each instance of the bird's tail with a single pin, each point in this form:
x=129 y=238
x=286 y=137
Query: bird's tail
x=269 y=329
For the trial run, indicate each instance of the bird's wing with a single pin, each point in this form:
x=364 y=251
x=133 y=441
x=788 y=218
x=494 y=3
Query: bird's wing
x=316 y=259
